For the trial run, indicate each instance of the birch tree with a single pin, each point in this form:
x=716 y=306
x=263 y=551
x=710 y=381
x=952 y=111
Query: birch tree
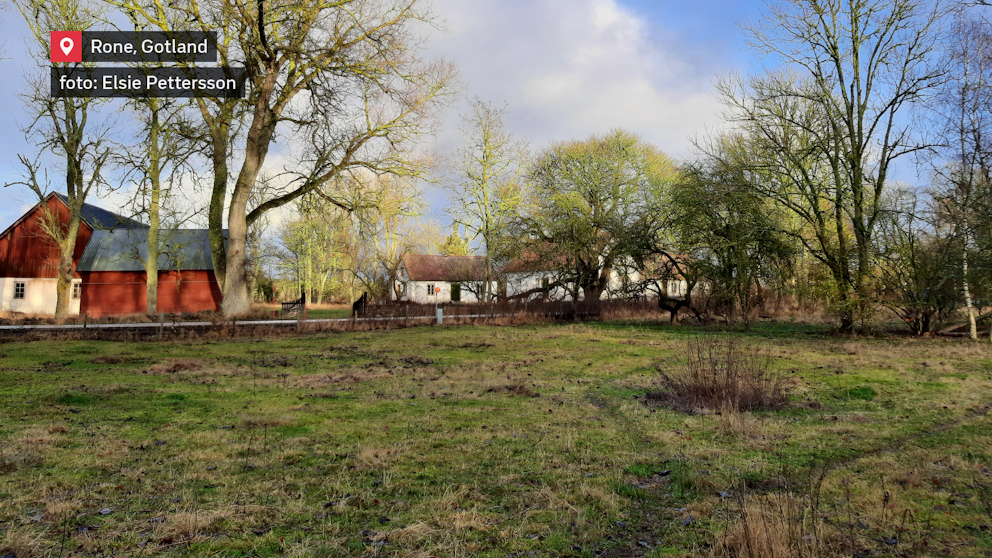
x=964 y=115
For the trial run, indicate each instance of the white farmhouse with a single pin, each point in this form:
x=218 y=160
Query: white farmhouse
x=434 y=279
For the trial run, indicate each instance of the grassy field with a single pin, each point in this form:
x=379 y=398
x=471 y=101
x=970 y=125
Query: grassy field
x=487 y=441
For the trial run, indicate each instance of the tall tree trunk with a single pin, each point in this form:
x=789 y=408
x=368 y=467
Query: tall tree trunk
x=75 y=196
x=220 y=142
x=257 y=143
x=972 y=324
x=154 y=176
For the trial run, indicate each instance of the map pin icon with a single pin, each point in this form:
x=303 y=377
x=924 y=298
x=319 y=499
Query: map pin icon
x=66 y=45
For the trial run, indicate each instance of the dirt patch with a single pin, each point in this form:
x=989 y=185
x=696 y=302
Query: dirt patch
x=518 y=390
x=417 y=361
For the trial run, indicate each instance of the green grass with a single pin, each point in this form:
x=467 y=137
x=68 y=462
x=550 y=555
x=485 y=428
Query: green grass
x=862 y=393
x=466 y=441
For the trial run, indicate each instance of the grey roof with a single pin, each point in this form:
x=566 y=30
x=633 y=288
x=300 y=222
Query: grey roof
x=103 y=219
x=127 y=249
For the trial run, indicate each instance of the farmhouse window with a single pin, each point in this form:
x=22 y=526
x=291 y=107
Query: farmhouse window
x=77 y=289
x=18 y=290
x=430 y=289
x=456 y=292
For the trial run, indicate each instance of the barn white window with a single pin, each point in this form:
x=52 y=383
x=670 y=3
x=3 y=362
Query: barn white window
x=19 y=289
x=77 y=290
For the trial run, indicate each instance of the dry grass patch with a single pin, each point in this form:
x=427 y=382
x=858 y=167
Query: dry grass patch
x=776 y=528
x=732 y=422
x=21 y=542
x=187 y=525
x=411 y=534
x=173 y=365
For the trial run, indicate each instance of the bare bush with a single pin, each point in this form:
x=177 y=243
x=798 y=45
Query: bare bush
x=720 y=374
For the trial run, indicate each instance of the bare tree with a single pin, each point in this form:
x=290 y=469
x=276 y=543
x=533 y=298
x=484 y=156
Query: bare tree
x=158 y=163
x=485 y=187
x=389 y=226
x=341 y=80
x=834 y=119
x=67 y=127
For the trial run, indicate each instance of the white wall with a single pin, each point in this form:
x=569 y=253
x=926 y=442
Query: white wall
x=39 y=296
x=517 y=283
x=416 y=291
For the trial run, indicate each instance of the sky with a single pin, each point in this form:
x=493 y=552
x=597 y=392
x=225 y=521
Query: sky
x=566 y=69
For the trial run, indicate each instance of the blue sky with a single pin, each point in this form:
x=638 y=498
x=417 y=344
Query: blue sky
x=565 y=68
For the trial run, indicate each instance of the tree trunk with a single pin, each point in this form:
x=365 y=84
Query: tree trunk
x=151 y=262
x=236 y=300
x=218 y=195
x=257 y=144
x=972 y=324
x=63 y=285
x=67 y=244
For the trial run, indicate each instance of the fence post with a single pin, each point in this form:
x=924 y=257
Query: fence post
x=440 y=314
x=161 y=325
x=302 y=311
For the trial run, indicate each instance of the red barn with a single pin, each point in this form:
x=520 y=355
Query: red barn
x=113 y=273
x=29 y=259
x=109 y=276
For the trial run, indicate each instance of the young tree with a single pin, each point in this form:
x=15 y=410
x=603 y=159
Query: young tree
x=389 y=227
x=834 y=120
x=593 y=203
x=65 y=126
x=455 y=245
x=485 y=188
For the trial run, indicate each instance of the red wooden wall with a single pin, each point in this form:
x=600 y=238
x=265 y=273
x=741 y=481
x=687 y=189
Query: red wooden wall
x=110 y=293
x=27 y=251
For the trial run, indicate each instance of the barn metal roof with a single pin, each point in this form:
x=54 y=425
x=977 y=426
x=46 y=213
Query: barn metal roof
x=127 y=250
x=445 y=268
x=101 y=218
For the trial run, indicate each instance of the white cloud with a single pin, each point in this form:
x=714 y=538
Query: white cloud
x=572 y=68
x=567 y=69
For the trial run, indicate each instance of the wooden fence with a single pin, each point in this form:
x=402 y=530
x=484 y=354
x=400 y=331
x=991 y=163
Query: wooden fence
x=552 y=310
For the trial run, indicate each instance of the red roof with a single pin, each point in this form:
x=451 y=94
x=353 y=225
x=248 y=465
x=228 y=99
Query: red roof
x=452 y=269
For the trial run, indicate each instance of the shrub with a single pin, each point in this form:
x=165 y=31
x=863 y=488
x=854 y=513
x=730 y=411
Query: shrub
x=720 y=374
